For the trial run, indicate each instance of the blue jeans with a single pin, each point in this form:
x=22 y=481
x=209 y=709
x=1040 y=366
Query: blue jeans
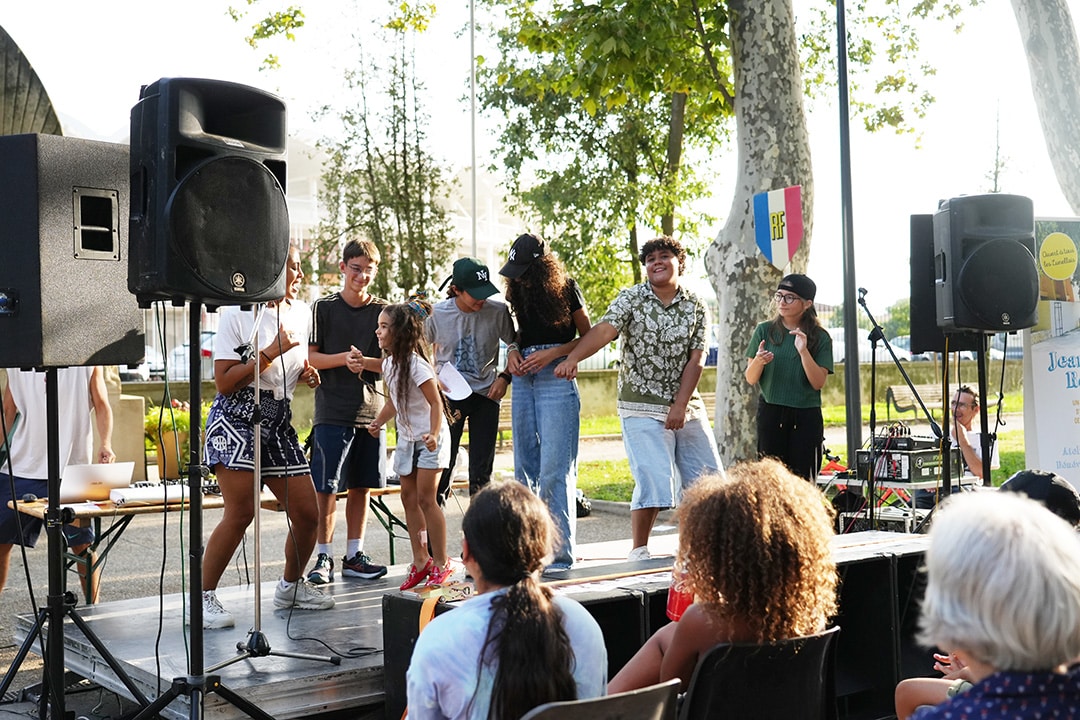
x=546 y=416
x=666 y=462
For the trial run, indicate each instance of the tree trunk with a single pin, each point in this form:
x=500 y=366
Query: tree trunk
x=676 y=128
x=773 y=152
x=1046 y=28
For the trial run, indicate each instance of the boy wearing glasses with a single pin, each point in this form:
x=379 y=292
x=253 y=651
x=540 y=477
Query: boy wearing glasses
x=965 y=408
x=343 y=458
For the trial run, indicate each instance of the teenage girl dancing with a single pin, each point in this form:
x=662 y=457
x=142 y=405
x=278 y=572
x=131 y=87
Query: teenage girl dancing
x=423 y=440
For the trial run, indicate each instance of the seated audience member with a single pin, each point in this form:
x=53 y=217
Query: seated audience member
x=1060 y=498
x=515 y=645
x=755 y=548
x=1003 y=593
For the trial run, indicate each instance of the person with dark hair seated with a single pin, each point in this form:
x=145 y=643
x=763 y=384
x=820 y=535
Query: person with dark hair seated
x=1003 y=594
x=755 y=549
x=515 y=645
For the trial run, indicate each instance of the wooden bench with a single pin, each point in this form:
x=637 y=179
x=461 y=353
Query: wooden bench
x=901 y=398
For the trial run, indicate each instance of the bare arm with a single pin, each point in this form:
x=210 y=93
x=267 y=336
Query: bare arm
x=691 y=374
x=232 y=375
x=539 y=360
x=971 y=455
x=597 y=337
x=388 y=411
x=434 y=401
x=10 y=410
x=103 y=416
x=756 y=365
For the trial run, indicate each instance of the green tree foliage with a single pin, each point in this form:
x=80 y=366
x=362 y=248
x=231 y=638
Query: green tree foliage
x=380 y=181
x=599 y=101
x=897 y=319
x=276 y=24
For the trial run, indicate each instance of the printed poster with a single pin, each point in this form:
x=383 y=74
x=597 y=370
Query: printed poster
x=1052 y=354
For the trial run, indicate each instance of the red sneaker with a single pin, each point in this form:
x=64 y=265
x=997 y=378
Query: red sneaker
x=414 y=576
x=443 y=575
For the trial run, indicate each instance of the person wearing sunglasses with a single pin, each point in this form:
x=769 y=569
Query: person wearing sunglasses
x=789 y=358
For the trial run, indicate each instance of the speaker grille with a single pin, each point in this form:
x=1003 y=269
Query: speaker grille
x=230 y=226
x=999 y=283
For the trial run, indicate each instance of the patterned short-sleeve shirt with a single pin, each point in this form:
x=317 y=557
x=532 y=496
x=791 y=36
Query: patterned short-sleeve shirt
x=655 y=344
x=1013 y=696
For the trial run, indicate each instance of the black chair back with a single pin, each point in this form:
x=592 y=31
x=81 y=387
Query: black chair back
x=788 y=679
x=656 y=702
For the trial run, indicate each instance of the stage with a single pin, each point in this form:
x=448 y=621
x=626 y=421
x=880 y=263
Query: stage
x=876 y=569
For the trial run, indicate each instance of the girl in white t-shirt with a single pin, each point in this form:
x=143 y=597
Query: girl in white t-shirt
x=423 y=439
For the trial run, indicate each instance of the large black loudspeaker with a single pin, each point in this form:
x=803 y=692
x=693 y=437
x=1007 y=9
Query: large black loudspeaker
x=926 y=336
x=985 y=274
x=63 y=230
x=208 y=215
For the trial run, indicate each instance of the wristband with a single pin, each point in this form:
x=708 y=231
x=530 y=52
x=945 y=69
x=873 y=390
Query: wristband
x=513 y=347
x=264 y=356
x=506 y=376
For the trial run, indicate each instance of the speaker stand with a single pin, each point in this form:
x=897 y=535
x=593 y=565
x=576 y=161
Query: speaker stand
x=60 y=603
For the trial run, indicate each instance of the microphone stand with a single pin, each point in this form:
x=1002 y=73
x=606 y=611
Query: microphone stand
x=877 y=333
x=257 y=644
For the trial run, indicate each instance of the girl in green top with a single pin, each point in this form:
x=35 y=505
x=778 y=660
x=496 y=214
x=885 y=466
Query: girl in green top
x=790 y=357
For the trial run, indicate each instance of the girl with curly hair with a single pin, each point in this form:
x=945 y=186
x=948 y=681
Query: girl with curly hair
x=545 y=409
x=515 y=645
x=423 y=440
x=755 y=547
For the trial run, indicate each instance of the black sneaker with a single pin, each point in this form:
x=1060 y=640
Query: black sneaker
x=323 y=572
x=360 y=566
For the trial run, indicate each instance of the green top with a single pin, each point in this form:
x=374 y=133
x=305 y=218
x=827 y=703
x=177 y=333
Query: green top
x=655 y=343
x=783 y=381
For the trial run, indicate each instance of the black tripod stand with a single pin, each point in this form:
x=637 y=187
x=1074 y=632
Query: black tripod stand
x=60 y=603
x=876 y=334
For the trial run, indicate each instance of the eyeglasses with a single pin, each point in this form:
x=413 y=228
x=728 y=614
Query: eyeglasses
x=785 y=298
x=356 y=269
x=955 y=405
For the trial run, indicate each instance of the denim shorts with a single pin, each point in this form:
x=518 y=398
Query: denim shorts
x=345 y=457
x=666 y=462
x=12 y=522
x=411 y=455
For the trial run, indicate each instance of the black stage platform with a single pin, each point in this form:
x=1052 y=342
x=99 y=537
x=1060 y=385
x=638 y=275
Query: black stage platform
x=147 y=635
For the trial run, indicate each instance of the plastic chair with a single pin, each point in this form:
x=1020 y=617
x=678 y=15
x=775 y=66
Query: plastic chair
x=656 y=702
x=789 y=679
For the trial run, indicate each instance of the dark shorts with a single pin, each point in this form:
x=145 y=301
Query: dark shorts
x=343 y=458
x=20 y=529
x=230 y=439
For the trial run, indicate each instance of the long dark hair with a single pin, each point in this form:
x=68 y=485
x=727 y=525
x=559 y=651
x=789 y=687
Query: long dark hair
x=541 y=296
x=509 y=532
x=407 y=338
x=808 y=323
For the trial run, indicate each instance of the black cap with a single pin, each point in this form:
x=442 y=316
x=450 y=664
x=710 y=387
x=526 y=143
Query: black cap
x=799 y=284
x=473 y=277
x=524 y=250
x=1052 y=490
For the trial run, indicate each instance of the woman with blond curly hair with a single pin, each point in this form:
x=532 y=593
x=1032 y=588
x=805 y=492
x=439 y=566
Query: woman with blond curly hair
x=755 y=548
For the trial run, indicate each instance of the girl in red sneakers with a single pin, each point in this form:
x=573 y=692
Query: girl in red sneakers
x=423 y=439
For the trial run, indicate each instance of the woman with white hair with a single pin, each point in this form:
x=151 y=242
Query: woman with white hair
x=1003 y=595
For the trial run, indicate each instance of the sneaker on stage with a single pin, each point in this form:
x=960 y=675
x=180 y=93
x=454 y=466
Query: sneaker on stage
x=448 y=573
x=414 y=577
x=302 y=595
x=214 y=614
x=359 y=566
x=323 y=572
x=639 y=553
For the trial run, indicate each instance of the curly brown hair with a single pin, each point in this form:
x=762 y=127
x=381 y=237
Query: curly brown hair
x=755 y=546
x=541 y=296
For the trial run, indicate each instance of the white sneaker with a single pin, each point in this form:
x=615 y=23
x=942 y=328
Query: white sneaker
x=303 y=595
x=214 y=615
x=639 y=553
